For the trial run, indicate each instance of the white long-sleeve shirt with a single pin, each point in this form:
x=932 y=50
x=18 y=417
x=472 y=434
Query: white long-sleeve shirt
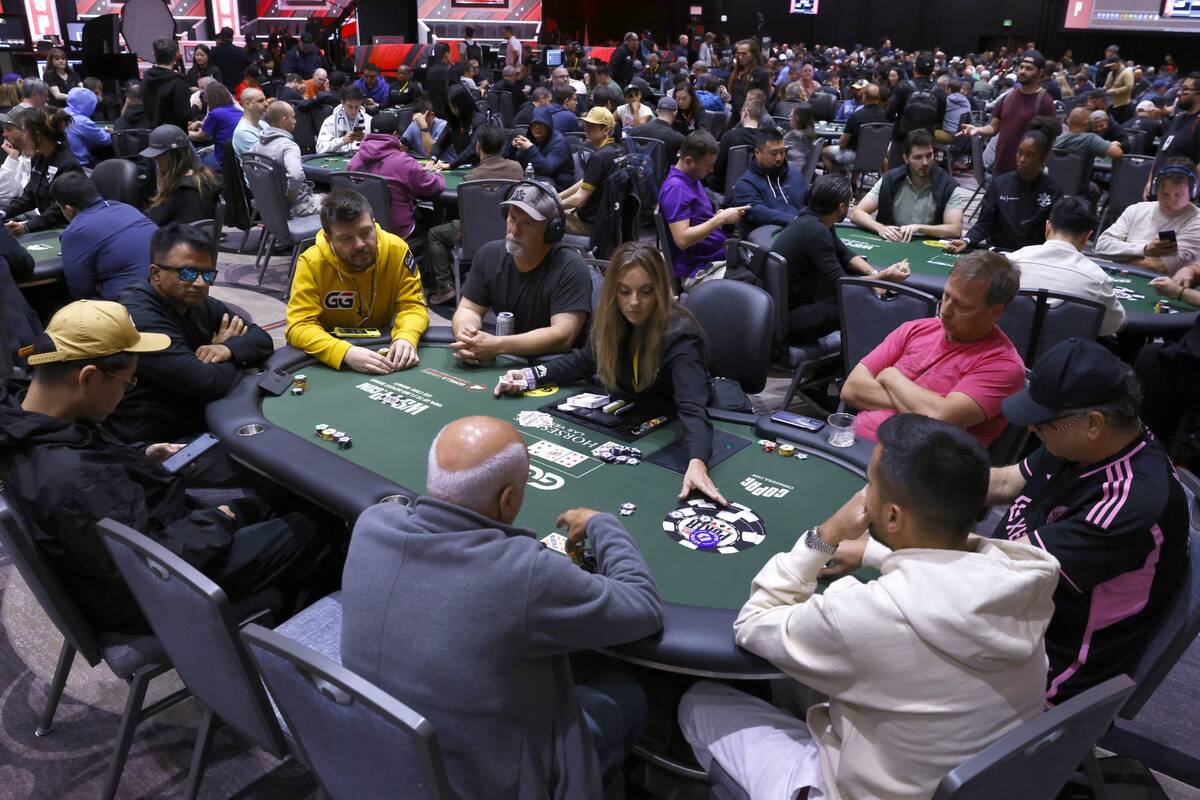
x=1139 y=224
x=1058 y=267
x=336 y=126
x=14 y=174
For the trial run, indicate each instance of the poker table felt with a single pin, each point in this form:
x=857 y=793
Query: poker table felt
x=702 y=591
x=46 y=250
x=830 y=130
x=318 y=168
x=931 y=266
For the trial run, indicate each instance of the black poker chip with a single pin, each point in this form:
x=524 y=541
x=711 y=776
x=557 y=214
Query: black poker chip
x=704 y=526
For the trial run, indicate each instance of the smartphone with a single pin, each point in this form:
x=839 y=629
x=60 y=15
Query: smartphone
x=1167 y=236
x=194 y=449
x=356 y=333
x=797 y=421
x=275 y=382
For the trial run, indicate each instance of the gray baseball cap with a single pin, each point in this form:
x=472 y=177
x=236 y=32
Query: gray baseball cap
x=164 y=138
x=533 y=201
x=667 y=104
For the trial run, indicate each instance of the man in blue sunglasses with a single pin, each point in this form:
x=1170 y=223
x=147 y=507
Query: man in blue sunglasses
x=210 y=345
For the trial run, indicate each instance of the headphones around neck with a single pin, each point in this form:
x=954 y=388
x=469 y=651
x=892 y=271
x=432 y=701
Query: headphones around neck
x=555 y=226
x=1173 y=170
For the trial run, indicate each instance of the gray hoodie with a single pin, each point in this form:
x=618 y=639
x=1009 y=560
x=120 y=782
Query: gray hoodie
x=924 y=667
x=469 y=622
x=279 y=146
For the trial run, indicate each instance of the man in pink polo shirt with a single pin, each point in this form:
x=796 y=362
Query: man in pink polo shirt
x=956 y=367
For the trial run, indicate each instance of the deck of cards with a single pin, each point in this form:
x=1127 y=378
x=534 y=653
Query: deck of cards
x=535 y=419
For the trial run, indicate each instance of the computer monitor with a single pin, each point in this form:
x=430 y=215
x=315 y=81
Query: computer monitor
x=75 y=32
x=554 y=58
x=14 y=33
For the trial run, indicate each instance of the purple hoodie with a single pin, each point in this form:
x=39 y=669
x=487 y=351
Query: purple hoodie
x=381 y=154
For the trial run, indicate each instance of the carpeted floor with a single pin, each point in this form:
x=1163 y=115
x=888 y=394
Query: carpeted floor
x=71 y=763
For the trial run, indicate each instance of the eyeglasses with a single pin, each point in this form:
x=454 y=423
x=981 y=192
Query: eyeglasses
x=129 y=382
x=189 y=274
x=1060 y=428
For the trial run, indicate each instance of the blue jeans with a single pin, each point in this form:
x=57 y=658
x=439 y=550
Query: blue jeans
x=614 y=708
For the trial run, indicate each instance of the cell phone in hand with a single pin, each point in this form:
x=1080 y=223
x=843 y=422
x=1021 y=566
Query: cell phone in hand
x=1167 y=236
x=194 y=449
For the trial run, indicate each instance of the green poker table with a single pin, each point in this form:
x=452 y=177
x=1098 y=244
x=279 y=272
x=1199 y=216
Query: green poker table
x=830 y=130
x=46 y=250
x=931 y=265
x=702 y=590
x=318 y=168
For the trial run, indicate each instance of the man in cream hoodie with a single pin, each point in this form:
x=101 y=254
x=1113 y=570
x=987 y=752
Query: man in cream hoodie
x=924 y=667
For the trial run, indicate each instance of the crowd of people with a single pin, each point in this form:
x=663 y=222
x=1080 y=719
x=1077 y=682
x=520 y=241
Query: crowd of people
x=964 y=637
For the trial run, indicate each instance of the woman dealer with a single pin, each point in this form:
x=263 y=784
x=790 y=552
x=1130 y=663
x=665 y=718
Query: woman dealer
x=642 y=343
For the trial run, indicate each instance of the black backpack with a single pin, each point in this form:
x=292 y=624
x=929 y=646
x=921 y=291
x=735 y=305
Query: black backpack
x=921 y=110
x=644 y=176
x=616 y=216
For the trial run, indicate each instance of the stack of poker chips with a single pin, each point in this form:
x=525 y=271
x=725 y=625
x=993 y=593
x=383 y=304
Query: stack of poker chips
x=299 y=385
x=627 y=509
x=619 y=454
x=785 y=450
x=767 y=445
x=330 y=434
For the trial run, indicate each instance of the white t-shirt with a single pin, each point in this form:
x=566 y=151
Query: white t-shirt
x=512 y=54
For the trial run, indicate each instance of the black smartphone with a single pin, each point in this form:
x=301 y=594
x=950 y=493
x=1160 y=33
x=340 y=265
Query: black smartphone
x=1167 y=236
x=275 y=382
x=194 y=449
x=797 y=421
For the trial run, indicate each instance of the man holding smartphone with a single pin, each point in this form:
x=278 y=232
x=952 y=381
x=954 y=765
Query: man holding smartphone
x=1161 y=234
x=342 y=130
x=64 y=473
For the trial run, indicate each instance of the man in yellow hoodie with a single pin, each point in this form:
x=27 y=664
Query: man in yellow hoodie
x=356 y=276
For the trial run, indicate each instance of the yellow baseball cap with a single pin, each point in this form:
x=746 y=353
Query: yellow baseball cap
x=92 y=329
x=600 y=116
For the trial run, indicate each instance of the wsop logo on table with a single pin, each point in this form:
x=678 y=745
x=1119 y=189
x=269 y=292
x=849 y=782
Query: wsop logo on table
x=339 y=300
x=760 y=486
x=705 y=526
x=858 y=244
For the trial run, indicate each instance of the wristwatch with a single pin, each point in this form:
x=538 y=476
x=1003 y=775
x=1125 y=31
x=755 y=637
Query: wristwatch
x=813 y=541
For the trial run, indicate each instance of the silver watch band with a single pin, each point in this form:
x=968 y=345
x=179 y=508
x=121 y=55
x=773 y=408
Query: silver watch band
x=813 y=541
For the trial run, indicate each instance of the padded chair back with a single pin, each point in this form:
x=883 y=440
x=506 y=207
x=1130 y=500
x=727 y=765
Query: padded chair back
x=215 y=225
x=738 y=321
x=1071 y=169
x=305 y=134
x=479 y=202
x=824 y=106
x=736 y=164
x=373 y=187
x=199 y=631
x=714 y=122
x=117 y=179
x=318 y=114
x=503 y=106
x=404 y=115
x=771 y=270
x=1180 y=624
x=267 y=185
x=1130 y=176
x=1038 y=319
x=867 y=319
x=874 y=139
x=130 y=141
x=1036 y=760
x=359 y=740
x=16 y=540
x=233 y=182
x=814 y=158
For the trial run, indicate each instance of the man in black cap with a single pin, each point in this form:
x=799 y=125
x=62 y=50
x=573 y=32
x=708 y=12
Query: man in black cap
x=230 y=59
x=304 y=58
x=915 y=104
x=1101 y=496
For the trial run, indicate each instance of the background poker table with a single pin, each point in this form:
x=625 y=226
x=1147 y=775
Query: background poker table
x=47 y=256
x=830 y=130
x=702 y=590
x=318 y=168
x=931 y=266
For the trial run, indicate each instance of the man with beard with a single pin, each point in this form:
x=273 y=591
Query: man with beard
x=1012 y=115
x=1182 y=137
x=917 y=199
x=542 y=283
x=357 y=275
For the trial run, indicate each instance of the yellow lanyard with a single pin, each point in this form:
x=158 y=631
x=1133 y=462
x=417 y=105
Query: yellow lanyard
x=636 y=355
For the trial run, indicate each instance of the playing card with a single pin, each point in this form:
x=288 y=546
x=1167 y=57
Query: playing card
x=535 y=419
x=570 y=459
x=547 y=450
x=556 y=542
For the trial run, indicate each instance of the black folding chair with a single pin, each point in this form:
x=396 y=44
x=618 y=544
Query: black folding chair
x=1130 y=175
x=874 y=139
x=216 y=226
x=483 y=221
x=736 y=164
x=373 y=187
x=1038 y=319
x=739 y=321
x=1071 y=169
x=267 y=182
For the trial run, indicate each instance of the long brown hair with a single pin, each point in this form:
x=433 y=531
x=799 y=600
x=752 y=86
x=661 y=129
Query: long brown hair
x=736 y=72
x=44 y=125
x=610 y=329
x=179 y=163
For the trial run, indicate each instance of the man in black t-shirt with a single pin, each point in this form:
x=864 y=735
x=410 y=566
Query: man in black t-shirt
x=1101 y=496
x=838 y=157
x=1182 y=136
x=546 y=286
x=582 y=199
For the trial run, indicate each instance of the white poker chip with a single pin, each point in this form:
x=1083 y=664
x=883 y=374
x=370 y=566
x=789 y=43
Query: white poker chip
x=703 y=526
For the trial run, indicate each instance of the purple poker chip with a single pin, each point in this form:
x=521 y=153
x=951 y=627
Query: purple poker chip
x=704 y=538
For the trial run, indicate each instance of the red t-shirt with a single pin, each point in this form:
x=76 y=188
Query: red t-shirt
x=1015 y=112
x=987 y=371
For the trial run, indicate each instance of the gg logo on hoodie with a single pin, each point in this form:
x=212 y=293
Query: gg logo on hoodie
x=336 y=300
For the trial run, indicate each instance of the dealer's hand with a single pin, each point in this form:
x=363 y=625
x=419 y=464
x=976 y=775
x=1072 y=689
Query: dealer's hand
x=896 y=273
x=162 y=451
x=16 y=228
x=511 y=382
x=696 y=479
x=364 y=359
x=956 y=245
x=576 y=521
x=402 y=355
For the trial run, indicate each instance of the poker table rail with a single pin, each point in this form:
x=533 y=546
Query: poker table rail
x=695 y=640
